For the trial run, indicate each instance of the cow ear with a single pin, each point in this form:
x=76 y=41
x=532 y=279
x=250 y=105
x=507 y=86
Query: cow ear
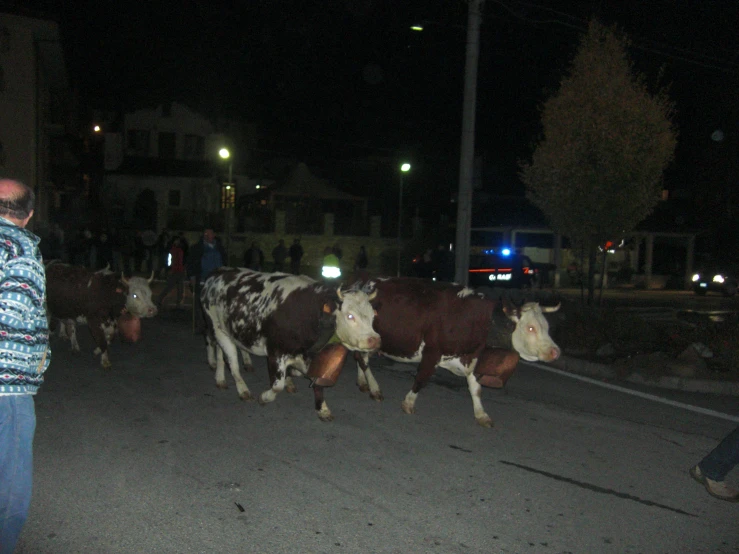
x=340 y=294
x=326 y=309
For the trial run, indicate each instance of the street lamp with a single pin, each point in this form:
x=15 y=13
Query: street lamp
x=404 y=168
x=228 y=196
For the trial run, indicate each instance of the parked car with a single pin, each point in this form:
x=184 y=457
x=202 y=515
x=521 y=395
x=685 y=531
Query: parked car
x=715 y=279
x=500 y=270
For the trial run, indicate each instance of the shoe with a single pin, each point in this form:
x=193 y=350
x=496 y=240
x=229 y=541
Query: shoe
x=717 y=489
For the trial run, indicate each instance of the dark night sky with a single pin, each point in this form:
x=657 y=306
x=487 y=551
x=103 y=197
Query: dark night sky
x=331 y=79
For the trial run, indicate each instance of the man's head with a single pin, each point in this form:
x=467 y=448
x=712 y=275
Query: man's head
x=16 y=201
x=209 y=235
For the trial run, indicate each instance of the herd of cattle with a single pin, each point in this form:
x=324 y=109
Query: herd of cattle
x=291 y=318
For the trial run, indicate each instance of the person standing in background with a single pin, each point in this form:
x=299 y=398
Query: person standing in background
x=175 y=275
x=204 y=257
x=24 y=354
x=279 y=255
x=296 y=254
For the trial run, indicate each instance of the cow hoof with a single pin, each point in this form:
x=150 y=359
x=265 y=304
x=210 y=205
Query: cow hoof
x=75 y=350
x=291 y=388
x=485 y=421
x=326 y=417
x=247 y=396
x=407 y=408
x=107 y=367
x=221 y=385
x=249 y=368
x=96 y=352
x=364 y=388
x=377 y=397
x=212 y=367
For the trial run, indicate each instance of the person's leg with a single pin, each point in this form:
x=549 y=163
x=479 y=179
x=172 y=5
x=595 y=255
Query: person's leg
x=712 y=470
x=17 y=426
x=165 y=291
x=180 y=282
x=722 y=459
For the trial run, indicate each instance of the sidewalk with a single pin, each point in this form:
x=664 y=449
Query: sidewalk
x=606 y=372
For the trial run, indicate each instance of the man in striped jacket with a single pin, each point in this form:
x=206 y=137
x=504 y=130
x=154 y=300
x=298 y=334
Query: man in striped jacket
x=24 y=354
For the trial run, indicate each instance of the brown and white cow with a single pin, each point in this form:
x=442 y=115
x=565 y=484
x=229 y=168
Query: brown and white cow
x=77 y=294
x=284 y=317
x=442 y=324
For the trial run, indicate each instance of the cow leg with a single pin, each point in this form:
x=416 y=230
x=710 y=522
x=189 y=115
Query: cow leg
x=247 y=361
x=277 y=367
x=228 y=349
x=423 y=374
x=110 y=327
x=210 y=347
x=482 y=418
x=365 y=380
x=324 y=414
x=95 y=326
x=70 y=328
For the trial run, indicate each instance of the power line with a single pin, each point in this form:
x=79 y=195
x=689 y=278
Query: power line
x=638 y=42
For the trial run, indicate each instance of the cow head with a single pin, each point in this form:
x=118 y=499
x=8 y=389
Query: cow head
x=354 y=317
x=138 y=300
x=531 y=336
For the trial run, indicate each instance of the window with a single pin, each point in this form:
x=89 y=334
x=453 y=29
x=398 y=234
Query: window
x=137 y=142
x=167 y=145
x=194 y=147
x=174 y=198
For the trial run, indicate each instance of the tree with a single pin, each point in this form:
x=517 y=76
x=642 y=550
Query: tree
x=597 y=170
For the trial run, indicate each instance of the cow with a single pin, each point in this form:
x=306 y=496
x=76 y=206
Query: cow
x=75 y=293
x=447 y=325
x=286 y=318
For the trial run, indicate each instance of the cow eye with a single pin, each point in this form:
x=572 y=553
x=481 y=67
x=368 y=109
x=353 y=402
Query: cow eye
x=134 y=295
x=350 y=316
x=531 y=329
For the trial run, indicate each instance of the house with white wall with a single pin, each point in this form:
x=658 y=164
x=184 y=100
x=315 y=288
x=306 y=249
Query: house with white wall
x=163 y=169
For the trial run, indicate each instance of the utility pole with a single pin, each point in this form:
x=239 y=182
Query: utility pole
x=467 y=149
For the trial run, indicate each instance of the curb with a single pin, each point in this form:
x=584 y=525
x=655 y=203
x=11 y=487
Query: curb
x=603 y=371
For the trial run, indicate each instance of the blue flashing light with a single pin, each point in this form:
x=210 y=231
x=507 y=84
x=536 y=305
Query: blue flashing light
x=506 y=251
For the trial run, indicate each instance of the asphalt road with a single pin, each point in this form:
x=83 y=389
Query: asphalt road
x=152 y=458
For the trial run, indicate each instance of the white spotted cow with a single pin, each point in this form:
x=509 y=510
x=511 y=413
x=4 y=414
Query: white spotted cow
x=283 y=317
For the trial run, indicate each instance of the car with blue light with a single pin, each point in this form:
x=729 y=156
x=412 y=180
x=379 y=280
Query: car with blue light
x=501 y=268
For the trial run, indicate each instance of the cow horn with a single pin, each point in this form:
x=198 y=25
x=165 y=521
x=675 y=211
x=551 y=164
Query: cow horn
x=372 y=295
x=550 y=309
x=124 y=280
x=340 y=294
x=152 y=277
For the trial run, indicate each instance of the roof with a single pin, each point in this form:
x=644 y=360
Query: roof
x=302 y=183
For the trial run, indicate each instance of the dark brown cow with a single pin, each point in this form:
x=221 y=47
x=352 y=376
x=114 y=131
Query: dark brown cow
x=441 y=324
x=75 y=293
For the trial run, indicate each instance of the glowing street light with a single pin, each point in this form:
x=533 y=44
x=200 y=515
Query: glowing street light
x=404 y=168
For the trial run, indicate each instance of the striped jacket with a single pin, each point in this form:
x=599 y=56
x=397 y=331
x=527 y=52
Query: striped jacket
x=24 y=329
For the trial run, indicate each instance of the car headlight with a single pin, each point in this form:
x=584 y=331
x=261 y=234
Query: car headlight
x=696 y=277
x=718 y=278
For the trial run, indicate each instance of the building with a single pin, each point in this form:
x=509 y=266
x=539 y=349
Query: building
x=34 y=106
x=163 y=169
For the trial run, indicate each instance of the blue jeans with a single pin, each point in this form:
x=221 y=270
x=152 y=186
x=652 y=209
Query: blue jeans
x=17 y=426
x=723 y=458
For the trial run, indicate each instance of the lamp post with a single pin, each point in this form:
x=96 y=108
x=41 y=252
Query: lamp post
x=404 y=168
x=225 y=154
